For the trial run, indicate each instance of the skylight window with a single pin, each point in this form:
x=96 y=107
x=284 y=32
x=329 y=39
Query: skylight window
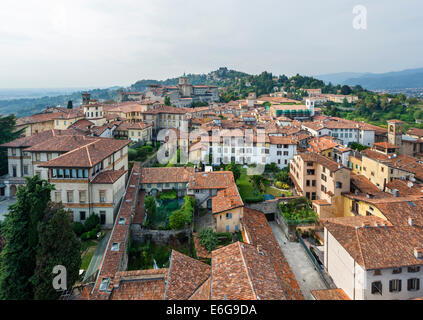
x=104 y=284
x=122 y=221
x=115 y=246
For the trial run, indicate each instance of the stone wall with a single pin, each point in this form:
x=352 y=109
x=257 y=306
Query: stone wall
x=288 y=230
x=269 y=206
x=160 y=237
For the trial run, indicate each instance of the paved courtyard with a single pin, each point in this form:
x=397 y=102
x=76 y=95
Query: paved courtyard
x=3 y=207
x=304 y=271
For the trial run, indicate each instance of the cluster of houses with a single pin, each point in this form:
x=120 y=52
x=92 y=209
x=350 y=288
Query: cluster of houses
x=369 y=203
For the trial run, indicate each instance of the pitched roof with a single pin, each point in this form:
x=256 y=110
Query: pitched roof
x=364 y=185
x=186 y=275
x=61 y=143
x=111 y=261
x=227 y=199
x=88 y=155
x=108 y=177
x=35 y=139
x=241 y=272
x=378 y=247
x=211 y=180
x=330 y=294
x=415 y=132
x=166 y=175
x=259 y=233
x=139 y=126
x=281 y=140
x=139 y=285
x=402 y=161
x=327 y=163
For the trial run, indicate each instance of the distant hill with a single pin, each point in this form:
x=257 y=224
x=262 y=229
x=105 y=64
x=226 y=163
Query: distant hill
x=410 y=78
x=339 y=78
x=28 y=106
x=219 y=78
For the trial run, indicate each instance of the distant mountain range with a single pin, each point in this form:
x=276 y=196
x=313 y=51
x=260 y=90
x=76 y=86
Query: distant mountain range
x=410 y=78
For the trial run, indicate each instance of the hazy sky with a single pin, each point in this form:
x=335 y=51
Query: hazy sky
x=55 y=43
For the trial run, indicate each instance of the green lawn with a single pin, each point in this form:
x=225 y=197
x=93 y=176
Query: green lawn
x=87 y=249
x=277 y=192
x=246 y=188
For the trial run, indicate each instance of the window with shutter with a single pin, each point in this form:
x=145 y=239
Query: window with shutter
x=413 y=284
x=395 y=285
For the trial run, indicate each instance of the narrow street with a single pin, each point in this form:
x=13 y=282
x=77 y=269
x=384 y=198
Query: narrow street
x=304 y=271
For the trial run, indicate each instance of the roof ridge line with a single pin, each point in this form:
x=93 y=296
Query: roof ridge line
x=248 y=272
x=359 y=247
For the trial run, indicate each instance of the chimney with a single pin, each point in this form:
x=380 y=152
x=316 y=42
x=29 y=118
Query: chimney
x=395 y=192
x=411 y=222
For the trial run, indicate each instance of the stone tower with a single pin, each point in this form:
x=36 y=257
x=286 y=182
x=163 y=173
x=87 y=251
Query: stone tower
x=86 y=97
x=185 y=88
x=395 y=132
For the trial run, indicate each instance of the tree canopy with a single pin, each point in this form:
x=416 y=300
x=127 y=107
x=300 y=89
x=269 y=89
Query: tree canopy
x=20 y=231
x=7 y=134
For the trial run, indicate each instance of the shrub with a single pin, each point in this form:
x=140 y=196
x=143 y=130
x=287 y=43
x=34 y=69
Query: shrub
x=78 y=228
x=177 y=220
x=150 y=205
x=168 y=195
x=85 y=236
x=208 y=239
x=92 y=222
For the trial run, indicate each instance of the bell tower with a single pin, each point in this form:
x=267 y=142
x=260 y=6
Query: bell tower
x=395 y=132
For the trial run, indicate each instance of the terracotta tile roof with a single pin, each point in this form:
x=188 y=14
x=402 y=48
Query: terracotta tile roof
x=402 y=161
x=186 y=275
x=112 y=260
x=88 y=155
x=168 y=110
x=378 y=247
x=35 y=139
x=61 y=143
x=415 y=132
x=167 y=175
x=327 y=163
x=139 y=125
x=202 y=293
x=241 y=272
x=399 y=212
x=385 y=145
x=211 y=180
x=37 y=118
x=227 y=199
x=83 y=124
x=405 y=188
x=126 y=107
x=260 y=234
x=282 y=140
x=331 y=294
x=139 y=285
x=319 y=144
x=108 y=177
x=364 y=185
x=357 y=221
